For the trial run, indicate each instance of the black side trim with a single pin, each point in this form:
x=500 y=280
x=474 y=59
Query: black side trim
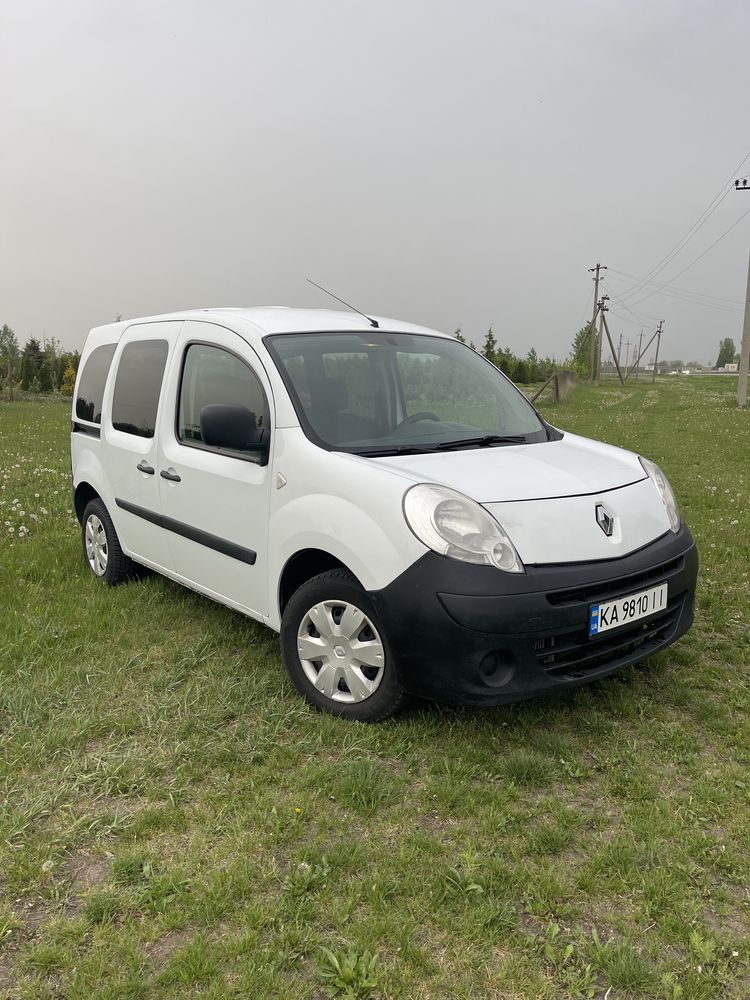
x=86 y=429
x=194 y=534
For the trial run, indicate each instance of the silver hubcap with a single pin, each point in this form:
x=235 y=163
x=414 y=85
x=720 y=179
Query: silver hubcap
x=96 y=545
x=341 y=652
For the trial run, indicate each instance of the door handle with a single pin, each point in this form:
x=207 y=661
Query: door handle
x=145 y=467
x=170 y=474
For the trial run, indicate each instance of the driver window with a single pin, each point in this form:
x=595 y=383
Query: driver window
x=213 y=375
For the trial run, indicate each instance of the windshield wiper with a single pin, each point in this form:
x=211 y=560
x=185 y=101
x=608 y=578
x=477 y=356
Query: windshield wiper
x=483 y=442
x=399 y=449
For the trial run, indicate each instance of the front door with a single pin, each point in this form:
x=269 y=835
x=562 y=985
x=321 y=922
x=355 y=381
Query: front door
x=215 y=501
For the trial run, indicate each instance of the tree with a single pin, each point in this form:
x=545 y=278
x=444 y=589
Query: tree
x=68 y=363
x=727 y=352
x=506 y=360
x=489 y=347
x=579 y=352
x=52 y=363
x=532 y=360
x=46 y=375
x=31 y=364
x=521 y=371
x=8 y=358
x=69 y=380
x=458 y=335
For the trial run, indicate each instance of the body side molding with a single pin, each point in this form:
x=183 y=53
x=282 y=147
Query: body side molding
x=227 y=548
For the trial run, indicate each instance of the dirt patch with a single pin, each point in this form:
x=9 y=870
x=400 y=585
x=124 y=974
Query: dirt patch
x=33 y=913
x=7 y=977
x=87 y=871
x=735 y=922
x=164 y=947
x=122 y=806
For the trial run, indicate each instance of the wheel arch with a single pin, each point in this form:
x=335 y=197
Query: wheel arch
x=303 y=566
x=83 y=494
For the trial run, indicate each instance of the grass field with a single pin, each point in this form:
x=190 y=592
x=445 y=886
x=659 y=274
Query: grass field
x=175 y=822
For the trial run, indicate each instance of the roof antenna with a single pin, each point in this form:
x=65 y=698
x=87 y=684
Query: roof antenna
x=370 y=320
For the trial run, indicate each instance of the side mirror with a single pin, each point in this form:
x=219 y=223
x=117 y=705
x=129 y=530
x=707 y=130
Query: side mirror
x=233 y=427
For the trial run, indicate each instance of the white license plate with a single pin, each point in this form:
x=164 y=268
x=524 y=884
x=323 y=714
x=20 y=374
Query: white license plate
x=623 y=611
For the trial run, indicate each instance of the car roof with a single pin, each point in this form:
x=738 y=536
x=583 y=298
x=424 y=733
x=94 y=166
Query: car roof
x=263 y=320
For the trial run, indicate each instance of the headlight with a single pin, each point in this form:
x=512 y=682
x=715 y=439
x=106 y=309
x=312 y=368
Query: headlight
x=665 y=492
x=455 y=526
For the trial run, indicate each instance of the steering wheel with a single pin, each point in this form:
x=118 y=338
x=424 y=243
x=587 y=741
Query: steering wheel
x=412 y=419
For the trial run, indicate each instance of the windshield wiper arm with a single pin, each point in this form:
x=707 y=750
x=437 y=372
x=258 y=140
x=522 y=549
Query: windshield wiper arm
x=399 y=449
x=485 y=441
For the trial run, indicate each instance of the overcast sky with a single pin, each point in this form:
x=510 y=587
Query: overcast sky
x=446 y=163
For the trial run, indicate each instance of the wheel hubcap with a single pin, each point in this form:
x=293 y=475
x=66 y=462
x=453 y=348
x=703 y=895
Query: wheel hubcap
x=96 y=545
x=341 y=652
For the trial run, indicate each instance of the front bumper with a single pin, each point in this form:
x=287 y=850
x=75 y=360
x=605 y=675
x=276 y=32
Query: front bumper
x=474 y=635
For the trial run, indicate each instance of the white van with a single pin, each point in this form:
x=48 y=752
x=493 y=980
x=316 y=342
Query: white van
x=380 y=495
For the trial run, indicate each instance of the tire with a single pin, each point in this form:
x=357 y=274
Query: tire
x=101 y=546
x=336 y=676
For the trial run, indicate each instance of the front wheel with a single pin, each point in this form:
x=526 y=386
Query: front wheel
x=101 y=546
x=336 y=651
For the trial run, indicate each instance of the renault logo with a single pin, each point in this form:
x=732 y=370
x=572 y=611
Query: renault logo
x=605 y=519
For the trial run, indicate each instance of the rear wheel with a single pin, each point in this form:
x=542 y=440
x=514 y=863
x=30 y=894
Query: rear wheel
x=336 y=651
x=101 y=546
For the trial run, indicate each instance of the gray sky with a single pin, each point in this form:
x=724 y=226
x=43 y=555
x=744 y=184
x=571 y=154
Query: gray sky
x=445 y=163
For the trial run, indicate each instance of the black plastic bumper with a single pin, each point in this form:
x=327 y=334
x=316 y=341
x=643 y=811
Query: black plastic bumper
x=474 y=635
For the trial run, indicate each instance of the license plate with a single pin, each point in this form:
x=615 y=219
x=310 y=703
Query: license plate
x=623 y=611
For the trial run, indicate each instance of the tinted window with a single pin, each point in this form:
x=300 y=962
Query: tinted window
x=212 y=375
x=137 y=387
x=91 y=388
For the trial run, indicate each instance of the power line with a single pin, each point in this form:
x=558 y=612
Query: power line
x=680 y=296
x=640 y=317
x=626 y=319
x=689 y=291
x=700 y=256
x=666 y=261
x=702 y=218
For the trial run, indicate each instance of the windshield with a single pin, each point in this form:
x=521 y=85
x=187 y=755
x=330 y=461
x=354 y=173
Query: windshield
x=381 y=393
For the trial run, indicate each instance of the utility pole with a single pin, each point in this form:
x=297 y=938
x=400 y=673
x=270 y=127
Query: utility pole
x=592 y=346
x=745 y=348
x=619 y=350
x=658 y=341
x=602 y=309
x=599 y=337
x=612 y=349
x=640 y=341
x=637 y=358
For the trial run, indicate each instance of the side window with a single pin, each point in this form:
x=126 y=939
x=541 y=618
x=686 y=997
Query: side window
x=137 y=387
x=91 y=386
x=211 y=376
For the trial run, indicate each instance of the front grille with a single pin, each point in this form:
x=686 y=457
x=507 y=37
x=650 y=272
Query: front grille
x=614 y=588
x=572 y=656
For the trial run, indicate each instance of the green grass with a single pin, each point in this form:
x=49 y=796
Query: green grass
x=174 y=821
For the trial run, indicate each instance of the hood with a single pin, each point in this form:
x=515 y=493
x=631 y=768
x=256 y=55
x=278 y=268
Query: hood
x=572 y=466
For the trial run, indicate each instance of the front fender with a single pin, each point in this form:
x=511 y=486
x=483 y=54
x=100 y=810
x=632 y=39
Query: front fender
x=346 y=531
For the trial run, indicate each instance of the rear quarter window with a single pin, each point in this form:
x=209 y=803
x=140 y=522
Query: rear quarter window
x=92 y=382
x=135 y=401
